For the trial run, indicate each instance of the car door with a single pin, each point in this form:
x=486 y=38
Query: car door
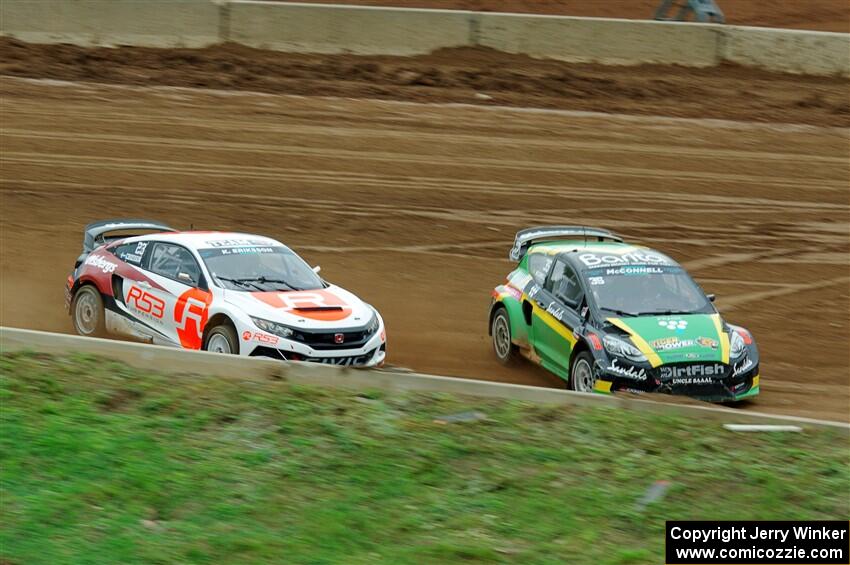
x=556 y=316
x=175 y=299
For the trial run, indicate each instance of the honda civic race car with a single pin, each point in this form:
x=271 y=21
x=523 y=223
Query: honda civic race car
x=226 y=292
x=608 y=316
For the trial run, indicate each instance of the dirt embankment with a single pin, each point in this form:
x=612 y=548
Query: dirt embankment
x=821 y=15
x=465 y=75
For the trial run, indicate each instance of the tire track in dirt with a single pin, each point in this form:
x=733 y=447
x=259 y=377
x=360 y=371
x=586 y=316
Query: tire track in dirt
x=484 y=163
x=280 y=173
x=454 y=138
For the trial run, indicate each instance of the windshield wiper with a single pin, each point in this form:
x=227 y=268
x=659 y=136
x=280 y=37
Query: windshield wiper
x=264 y=280
x=665 y=313
x=618 y=312
x=240 y=282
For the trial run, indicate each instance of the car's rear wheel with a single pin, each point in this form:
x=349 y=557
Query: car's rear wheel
x=506 y=352
x=582 y=378
x=88 y=315
x=222 y=339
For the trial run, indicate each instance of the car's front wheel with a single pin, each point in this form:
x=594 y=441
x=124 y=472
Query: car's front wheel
x=88 y=315
x=582 y=378
x=506 y=352
x=222 y=339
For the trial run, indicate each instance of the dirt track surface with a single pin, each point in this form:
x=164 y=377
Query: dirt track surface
x=821 y=15
x=414 y=207
x=466 y=75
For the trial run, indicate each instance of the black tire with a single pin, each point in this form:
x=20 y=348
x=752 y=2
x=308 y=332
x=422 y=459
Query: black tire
x=582 y=378
x=87 y=313
x=500 y=328
x=222 y=339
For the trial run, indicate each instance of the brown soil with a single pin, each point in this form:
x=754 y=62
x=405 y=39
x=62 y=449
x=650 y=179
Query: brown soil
x=467 y=75
x=821 y=15
x=414 y=206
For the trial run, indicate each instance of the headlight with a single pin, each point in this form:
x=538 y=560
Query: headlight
x=736 y=345
x=373 y=324
x=273 y=327
x=622 y=348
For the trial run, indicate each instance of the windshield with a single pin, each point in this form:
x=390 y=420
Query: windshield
x=646 y=289
x=257 y=268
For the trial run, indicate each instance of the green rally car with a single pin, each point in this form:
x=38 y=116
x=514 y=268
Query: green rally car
x=606 y=315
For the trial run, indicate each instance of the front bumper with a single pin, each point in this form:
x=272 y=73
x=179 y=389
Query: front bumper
x=371 y=354
x=722 y=388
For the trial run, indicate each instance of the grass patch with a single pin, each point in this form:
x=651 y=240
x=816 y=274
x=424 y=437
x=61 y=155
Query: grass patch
x=101 y=463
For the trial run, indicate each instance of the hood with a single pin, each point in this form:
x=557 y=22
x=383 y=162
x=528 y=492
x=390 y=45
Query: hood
x=677 y=339
x=326 y=308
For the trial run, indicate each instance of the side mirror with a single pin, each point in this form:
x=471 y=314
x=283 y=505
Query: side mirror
x=711 y=297
x=317 y=269
x=185 y=277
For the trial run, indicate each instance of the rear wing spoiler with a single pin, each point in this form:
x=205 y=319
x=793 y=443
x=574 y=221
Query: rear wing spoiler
x=98 y=233
x=527 y=237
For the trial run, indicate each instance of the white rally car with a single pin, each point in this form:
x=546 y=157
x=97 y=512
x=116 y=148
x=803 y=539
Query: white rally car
x=225 y=292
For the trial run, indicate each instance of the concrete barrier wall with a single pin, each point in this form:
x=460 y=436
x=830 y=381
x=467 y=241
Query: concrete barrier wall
x=149 y=23
x=598 y=40
x=311 y=28
x=323 y=28
x=175 y=361
x=791 y=51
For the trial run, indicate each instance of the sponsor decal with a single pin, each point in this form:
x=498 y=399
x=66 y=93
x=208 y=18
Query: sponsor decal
x=131 y=257
x=708 y=342
x=692 y=371
x=671 y=343
x=595 y=281
x=517 y=294
x=556 y=311
x=190 y=316
x=260 y=337
x=693 y=381
x=635 y=271
x=240 y=242
x=144 y=302
x=100 y=263
x=313 y=304
x=633 y=258
x=246 y=250
x=627 y=372
x=344 y=361
x=519 y=279
x=742 y=367
x=673 y=324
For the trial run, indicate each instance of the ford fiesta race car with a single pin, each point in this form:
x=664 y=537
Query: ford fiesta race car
x=605 y=316
x=225 y=292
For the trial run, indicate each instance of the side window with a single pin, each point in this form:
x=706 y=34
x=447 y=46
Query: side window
x=131 y=252
x=176 y=263
x=564 y=284
x=538 y=266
